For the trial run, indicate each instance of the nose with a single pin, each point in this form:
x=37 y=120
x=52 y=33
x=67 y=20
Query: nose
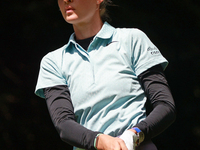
x=68 y=1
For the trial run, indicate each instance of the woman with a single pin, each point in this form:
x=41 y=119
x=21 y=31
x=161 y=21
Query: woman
x=97 y=84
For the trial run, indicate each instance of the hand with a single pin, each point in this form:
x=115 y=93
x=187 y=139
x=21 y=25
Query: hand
x=129 y=138
x=106 y=142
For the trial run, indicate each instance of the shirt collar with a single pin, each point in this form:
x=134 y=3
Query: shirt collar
x=105 y=33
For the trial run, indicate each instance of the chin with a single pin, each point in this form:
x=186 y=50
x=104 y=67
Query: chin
x=71 y=20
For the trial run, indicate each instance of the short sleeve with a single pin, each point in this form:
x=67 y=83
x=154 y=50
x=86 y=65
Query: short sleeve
x=145 y=53
x=49 y=74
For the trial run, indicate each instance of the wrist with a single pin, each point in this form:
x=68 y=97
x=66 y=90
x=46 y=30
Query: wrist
x=139 y=138
x=96 y=140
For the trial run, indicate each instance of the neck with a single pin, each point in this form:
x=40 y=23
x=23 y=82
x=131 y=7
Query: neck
x=86 y=30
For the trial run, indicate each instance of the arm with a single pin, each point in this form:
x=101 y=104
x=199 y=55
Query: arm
x=62 y=114
x=156 y=88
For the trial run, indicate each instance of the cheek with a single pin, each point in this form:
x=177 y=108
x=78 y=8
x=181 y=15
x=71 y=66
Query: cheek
x=59 y=3
x=61 y=8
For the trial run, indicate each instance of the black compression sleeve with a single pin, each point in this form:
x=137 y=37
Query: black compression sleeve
x=62 y=114
x=157 y=90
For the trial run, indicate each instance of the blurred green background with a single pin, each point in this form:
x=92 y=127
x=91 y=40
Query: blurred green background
x=30 y=29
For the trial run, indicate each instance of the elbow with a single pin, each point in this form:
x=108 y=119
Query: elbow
x=170 y=112
x=173 y=115
x=62 y=132
x=63 y=137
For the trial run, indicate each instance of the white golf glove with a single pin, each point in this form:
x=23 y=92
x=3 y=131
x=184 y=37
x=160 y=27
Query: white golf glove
x=130 y=139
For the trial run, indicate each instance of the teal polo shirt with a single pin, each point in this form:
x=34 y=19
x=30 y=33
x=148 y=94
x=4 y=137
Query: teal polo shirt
x=103 y=83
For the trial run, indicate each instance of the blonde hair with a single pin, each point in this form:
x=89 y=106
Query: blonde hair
x=103 y=10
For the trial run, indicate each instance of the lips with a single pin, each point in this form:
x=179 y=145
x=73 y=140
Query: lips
x=69 y=9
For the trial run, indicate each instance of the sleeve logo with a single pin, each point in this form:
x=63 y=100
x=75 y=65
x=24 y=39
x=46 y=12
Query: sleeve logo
x=153 y=50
